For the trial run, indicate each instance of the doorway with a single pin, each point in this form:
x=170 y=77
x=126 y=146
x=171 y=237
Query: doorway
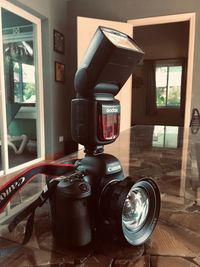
x=159 y=84
x=21 y=98
x=187 y=17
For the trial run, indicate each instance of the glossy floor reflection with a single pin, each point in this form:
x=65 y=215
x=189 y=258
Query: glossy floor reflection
x=159 y=152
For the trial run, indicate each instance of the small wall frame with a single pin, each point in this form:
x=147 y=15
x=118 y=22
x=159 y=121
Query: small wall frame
x=59 y=72
x=59 y=42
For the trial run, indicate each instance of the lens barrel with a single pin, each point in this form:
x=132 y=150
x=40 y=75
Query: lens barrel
x=131 y=208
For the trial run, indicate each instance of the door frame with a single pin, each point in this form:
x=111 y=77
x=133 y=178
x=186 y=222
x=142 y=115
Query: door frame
x=40 y=98
x=172 y=19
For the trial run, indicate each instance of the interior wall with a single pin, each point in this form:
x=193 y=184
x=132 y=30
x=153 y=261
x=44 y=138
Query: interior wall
x=161 y=41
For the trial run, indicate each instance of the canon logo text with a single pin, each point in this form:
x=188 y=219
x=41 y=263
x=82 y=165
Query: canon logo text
x=8 y=191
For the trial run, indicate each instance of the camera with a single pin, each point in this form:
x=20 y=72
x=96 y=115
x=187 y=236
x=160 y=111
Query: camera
x=97 y=196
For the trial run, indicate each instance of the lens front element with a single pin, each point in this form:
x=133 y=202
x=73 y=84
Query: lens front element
x=132 y=208
x=135 y=209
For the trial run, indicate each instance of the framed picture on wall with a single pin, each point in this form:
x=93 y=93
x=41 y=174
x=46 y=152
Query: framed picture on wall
x=59 y=72
x=59 y=42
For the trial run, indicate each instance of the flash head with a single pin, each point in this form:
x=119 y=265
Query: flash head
x=107 y=64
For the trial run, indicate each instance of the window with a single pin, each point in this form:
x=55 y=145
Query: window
x=20 y=65
x=24 y=83
x=21 y=98
x=168 y=83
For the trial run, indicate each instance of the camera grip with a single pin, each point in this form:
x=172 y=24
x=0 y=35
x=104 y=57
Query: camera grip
x=71 y=222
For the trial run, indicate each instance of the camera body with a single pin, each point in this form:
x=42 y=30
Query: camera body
x=76 y=205
x=97 y=200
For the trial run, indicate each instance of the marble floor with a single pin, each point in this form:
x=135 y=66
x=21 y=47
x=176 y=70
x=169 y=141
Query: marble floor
x=171 y=157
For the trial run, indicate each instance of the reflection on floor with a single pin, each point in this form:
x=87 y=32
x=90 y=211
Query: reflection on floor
x=176 y=239
x=15 y=159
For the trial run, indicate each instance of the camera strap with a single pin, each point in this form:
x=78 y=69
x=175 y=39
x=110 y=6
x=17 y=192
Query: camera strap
x=8 y=190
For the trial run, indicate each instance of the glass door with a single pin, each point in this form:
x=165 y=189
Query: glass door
x=22 y=92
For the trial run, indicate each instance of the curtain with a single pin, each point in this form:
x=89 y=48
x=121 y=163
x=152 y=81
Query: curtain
x=151 y=107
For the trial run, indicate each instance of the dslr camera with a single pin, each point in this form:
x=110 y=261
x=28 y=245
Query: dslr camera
x=97 y=196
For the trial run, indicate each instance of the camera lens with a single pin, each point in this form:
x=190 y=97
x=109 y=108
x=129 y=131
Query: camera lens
x=131 y=208
x=135 y=210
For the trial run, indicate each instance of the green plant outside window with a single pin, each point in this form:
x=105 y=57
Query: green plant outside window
x=168 y=85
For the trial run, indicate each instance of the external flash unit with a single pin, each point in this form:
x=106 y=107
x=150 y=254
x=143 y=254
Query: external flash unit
x=106 y=66
x=97 y=196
